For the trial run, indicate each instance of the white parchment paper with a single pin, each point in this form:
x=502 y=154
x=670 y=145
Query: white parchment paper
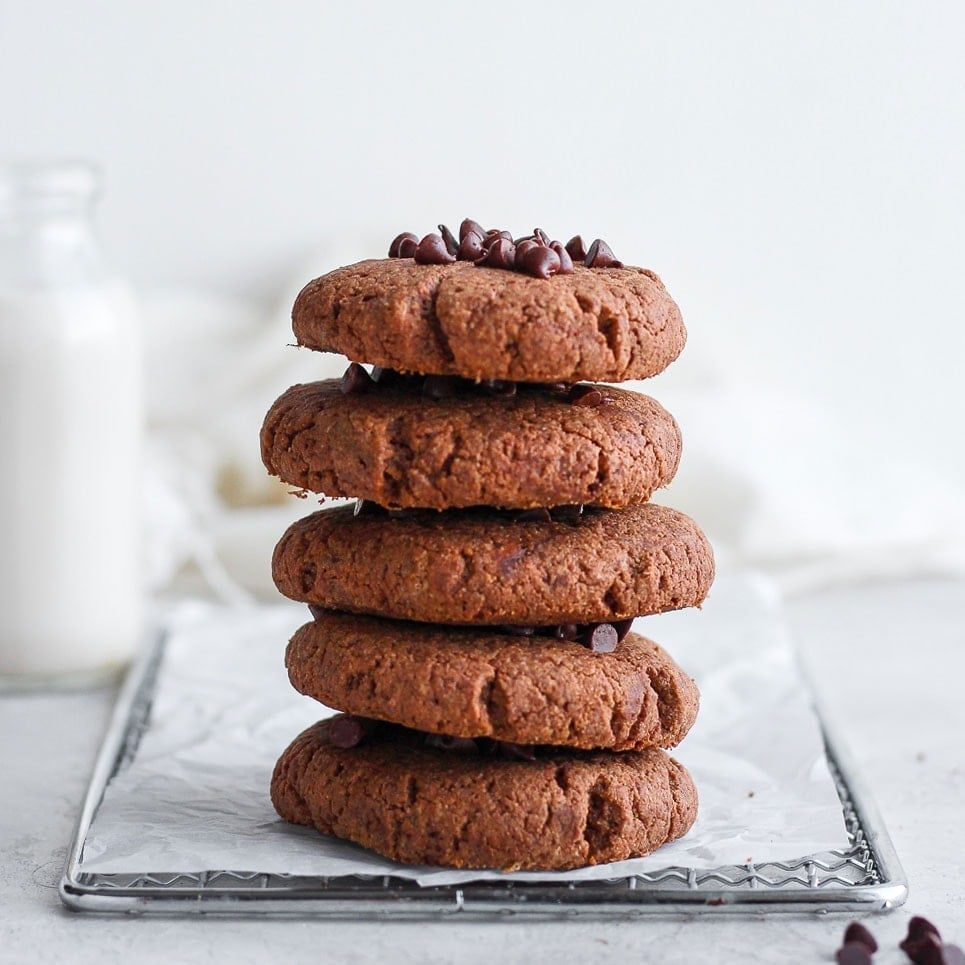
x=195 y=797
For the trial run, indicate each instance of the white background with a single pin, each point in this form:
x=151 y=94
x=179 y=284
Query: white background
x=793 y=171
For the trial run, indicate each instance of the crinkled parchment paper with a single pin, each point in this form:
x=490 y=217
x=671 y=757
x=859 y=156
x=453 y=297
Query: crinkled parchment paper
x=195 y=796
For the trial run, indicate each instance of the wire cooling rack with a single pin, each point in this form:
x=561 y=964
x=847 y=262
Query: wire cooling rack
x=864 y=876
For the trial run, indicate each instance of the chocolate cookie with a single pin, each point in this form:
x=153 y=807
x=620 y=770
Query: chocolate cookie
x=477 y=683
x=398 y=447
x=479 y=568
x=600 y=324
x=421 y=805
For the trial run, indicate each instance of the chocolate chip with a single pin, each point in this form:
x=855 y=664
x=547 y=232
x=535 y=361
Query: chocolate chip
x=918 y=927
x=523 y=752
x=560 y=388
x=566 y=631
x=953 y=955
x=407 y=241
x=919 y=943
x=603 y=638
x=856 y=932
x=522 y=238
x=541 y=236
x=538 y=261
x=317 y=612
x=566 y=262
x=588 y=395
x=575 y=249
x=853 y=953
x=500 y=254
x=536 y=515
x=518 y=631
x=499 y=387
x=622 y=628
x=459 y=745
x=494 y=234
x=567 y=513
x=366 y=507
x=522 y=247
x=380 y=375
x=403 y=513
x=441 y=386
x=432 y=250
x=347 y=731
x=467 y=226
x=601 y=256
x=355 y=379
x=926 y=949
x=471 y=247
x=452 y=245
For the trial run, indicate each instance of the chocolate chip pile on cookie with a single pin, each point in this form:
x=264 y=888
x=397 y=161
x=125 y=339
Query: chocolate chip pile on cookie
x=471 y=612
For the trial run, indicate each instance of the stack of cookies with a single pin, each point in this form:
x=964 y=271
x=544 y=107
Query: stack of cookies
x=472 y=610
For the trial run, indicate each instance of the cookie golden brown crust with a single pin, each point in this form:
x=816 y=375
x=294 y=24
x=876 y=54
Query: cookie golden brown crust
x=597 y=324
x=424 y=806
x=398 y=448
x=478 y=568
x=474 y=683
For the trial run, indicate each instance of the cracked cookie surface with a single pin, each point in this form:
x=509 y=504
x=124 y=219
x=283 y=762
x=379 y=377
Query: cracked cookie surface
x=425 y=806
x=399 y=448
x=479 y=568
x=477 y=683
x=599 y=324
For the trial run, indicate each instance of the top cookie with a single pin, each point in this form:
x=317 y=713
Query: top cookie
x=595 y=324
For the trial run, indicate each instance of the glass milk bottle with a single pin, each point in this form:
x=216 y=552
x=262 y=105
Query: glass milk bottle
x=70 y=430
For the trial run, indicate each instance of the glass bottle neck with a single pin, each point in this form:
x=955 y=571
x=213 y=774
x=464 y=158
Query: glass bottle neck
x=46 y=229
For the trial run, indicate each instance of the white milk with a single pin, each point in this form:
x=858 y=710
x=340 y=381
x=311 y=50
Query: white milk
x=70 y=425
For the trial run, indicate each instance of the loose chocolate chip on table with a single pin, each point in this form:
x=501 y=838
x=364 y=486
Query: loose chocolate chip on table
x=921 y=941
x=355 y=379
x=317 y=612
x=601 y=256
x=856 y=932
x=603 y=638
x=403 y=245
x=566 y=262
x=432 y=250
x=587 y=395
x=468 y=225
x=452 y=245
x=575 y=248
x=539 y=261
x=566 y=631
x=853 y=953
x=541 y=236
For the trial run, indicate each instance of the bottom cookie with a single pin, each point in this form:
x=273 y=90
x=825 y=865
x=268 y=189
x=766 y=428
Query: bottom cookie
x=422 y=805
